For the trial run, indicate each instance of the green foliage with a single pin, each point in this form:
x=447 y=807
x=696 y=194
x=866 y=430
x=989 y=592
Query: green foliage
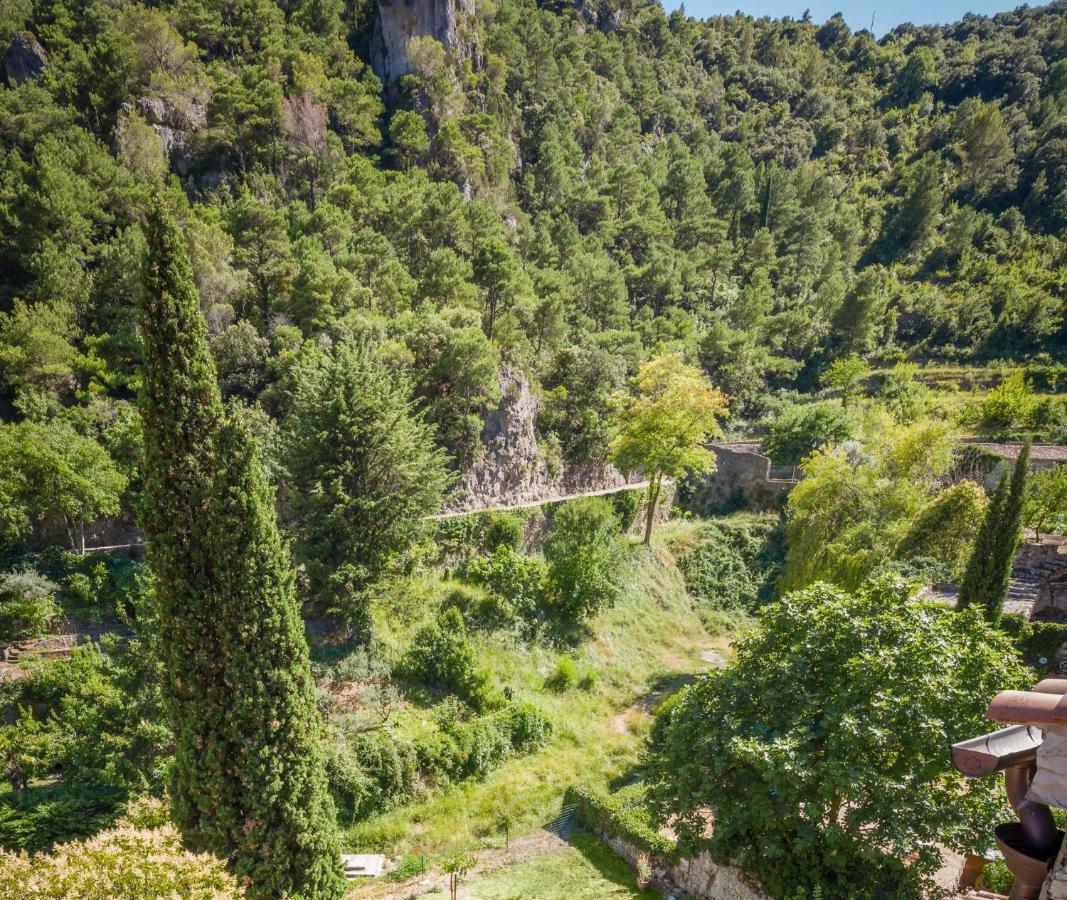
x=845 y=376
x=836 y=708
x=27 y=604
x=625 y=505
x=443 y=659
x=855 y=504
x=49 y=472
x=237 y=681
x=985 y=580
x=584 y=557
x=803 y=427
x=515 y=581
x=996 y=877
x=623 y=814
x=503 y=530
x=736 y=563
x=946 y=528
x=96 y=715
x=663 y=428
x=1009 y=406
x=37 y=819
x=564 y=676
x=1046 y=501
x=363 y=470
x=1039 y=643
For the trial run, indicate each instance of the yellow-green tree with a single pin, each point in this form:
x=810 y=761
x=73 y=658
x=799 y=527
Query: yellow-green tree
x=664 y=425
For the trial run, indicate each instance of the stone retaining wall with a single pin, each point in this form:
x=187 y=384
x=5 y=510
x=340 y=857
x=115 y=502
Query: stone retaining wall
x=741 y=480
x=700 y=878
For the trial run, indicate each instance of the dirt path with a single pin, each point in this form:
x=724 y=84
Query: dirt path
x=528 y=504
x=646 y=706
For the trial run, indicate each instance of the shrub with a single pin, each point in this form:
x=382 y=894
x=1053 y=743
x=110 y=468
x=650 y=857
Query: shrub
x=837 y=708
x=27 y=604
x=443 y=659
x=801 y=428
x=626 y=505
x=480 y=607
x=349 y=785
x=916 y=570
x=1038 y=643
x=528 y=728
x=623 y=815
x=564 y=676
x=1009 y=406
x=516 y=578
x=125 y=863
x=38 y=818
x=584 y=556
x=503 y=530
x=1046 y=501
x=736 y=563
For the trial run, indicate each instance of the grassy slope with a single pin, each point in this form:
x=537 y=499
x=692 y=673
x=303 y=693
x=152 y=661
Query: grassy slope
x=645 y=643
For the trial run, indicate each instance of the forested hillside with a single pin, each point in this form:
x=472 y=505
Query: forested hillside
x=568 y=188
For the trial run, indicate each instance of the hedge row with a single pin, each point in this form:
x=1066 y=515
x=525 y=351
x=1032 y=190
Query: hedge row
x=622 y=815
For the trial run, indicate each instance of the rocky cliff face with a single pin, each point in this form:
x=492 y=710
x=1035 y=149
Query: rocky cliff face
x=24 y=59
x=401 y=20
x=512 y=470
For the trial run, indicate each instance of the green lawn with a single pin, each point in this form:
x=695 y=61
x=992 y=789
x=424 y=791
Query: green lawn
x=587 y=870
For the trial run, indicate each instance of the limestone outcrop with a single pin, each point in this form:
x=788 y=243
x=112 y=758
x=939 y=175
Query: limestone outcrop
x=24 y=60
x=401 y=20
x=512 y=469
x=174 y=119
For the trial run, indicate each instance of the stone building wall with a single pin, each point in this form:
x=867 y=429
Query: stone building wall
x=743 y=479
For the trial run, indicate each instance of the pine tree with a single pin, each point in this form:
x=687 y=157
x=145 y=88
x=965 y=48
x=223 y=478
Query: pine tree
x=985 y=581
x=248 y=778
x=363 y=469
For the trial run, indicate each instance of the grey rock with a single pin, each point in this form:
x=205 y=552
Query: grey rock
x=174 y=119
x=512 y=470
x=401 y=20
x=24 y=59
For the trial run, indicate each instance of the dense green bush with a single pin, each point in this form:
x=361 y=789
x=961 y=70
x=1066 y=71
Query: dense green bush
x=585 y=558
x=626 y=505
x=623 y=814
x=736 y=562
x=516 y=579
x=38 y=818
x=443 y=660
x=1037 y=642
x=503 y=530
x=946 y=527
x=27 y=604
x=803 y=427
x=564 y=676
x=837 y=708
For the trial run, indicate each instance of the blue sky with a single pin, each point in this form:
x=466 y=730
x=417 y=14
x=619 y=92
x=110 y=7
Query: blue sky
x=887 y=13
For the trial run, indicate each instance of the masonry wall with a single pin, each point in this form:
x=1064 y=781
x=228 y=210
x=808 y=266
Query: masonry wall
x=741 y=480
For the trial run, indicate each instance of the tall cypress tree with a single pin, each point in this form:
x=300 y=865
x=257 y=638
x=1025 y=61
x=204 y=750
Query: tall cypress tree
x=988 y=572
x=249 y=777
